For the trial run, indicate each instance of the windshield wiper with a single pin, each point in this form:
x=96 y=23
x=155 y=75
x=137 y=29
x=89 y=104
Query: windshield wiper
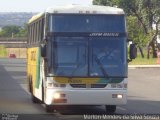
x=102 y=68
x=75 y=70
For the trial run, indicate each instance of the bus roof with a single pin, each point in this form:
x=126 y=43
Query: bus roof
x=35 y=17
x=91 y=9
x=79 y=9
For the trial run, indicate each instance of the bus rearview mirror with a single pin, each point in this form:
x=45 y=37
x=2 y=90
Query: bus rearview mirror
x=132 y=51
x=43 y=50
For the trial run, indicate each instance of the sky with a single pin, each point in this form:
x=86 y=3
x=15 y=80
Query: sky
x=35 y=5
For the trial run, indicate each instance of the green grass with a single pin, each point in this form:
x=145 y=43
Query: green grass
x=3 y=51
x=143 y=61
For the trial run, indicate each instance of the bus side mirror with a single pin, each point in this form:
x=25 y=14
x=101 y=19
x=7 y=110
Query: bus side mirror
x=43 y=50
x=132 y=51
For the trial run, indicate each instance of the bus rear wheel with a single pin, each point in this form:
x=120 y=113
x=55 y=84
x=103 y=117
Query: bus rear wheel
x=111 y=109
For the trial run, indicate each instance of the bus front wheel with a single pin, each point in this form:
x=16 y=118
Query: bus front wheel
x=111 y=109
x=35 y=100
x=49 y=108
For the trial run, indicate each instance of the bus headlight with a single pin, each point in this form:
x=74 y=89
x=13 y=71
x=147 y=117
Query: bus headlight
x=56 y=96
x=119 y=96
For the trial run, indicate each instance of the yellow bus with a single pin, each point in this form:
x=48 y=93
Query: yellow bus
x=77 y=55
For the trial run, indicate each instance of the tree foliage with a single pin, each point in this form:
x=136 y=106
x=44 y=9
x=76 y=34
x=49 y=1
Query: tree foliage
x=13 y=31
x=135 y=32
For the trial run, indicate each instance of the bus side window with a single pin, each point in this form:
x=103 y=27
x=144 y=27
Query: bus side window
x=42 y=28
x=37 y=28
x=36 y=33
x=30 y=35
x=39 y=31
x=31 y=41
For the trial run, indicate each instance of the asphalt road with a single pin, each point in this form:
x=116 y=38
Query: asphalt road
x=143 y=95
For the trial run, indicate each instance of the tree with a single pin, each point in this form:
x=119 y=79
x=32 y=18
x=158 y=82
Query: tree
x=103 y=2
x=151 y=9
x=125 y=4
x=22 y=32
x=9 y=31
x=136 y=33
x=13 y=31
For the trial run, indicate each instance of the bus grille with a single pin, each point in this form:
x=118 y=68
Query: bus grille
x=78 y=85
x=98 y=85
x=88 y=86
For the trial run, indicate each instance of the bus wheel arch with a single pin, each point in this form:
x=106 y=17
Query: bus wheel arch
x=34 y=99
x=48 y=108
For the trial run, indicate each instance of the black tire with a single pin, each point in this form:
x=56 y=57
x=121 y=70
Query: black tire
x=49 y=108
x=29 y=85
x=35 y=100
x=111 y=109
x=42 y=92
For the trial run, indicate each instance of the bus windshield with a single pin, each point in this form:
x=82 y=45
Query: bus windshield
x=86 y=23
x=77 y=56
x=73 y=53
x=70 y=54
x=108 y=57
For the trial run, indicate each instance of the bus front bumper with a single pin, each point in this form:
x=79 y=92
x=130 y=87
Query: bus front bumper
x=86 y=97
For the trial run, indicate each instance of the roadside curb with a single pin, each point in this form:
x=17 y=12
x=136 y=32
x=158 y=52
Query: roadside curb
x=144 y=66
